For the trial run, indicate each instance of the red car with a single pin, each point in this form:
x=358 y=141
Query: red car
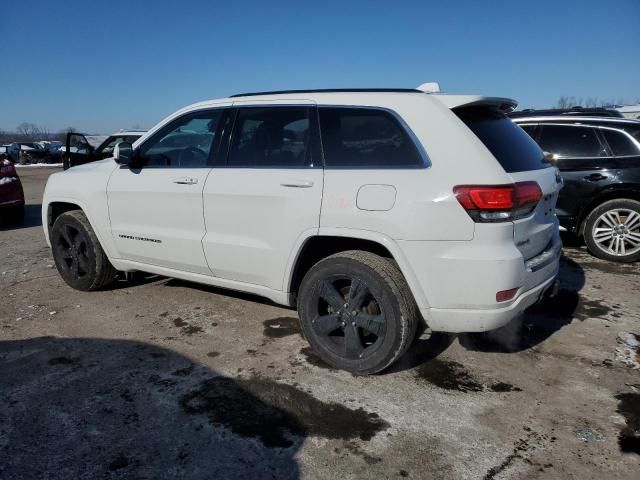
x=11 y=194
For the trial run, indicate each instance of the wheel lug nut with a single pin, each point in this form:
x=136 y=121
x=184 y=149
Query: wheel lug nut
x=353 y=323
x=346 y=305
x=354 y=312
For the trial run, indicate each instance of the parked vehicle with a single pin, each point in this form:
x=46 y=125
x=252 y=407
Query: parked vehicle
x=372 y=211
x=599 y=159
x=79 y=150
x=570 y=112
x=11 y=193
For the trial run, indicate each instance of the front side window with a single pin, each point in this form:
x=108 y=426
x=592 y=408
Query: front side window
x=621 y=145
x=571 y=141
x=365 y=137
x=186 y=142
x=276 y=137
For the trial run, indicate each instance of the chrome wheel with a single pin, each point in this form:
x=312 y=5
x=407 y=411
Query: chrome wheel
x=617 y=232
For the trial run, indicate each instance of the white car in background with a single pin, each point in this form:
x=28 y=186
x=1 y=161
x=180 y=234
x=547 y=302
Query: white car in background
x=374 y=212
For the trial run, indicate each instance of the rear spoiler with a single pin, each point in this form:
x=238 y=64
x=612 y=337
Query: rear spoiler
x=505 y=105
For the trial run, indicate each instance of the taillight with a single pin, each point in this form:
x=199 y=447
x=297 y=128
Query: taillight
x=497 y=203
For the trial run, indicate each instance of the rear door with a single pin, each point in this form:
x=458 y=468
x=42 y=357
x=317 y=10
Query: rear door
x=523 y=160
x=265 y=199
x=584 y=161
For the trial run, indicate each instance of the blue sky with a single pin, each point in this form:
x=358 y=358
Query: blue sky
x=102 y=66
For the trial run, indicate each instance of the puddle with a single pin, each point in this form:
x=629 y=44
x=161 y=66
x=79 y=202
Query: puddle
x=191 y=329
x=281 y=327
x=629 y=408
x=276 y=413
x=453 y=376
x=449 y=375
x=591 y=309
x=179 y=322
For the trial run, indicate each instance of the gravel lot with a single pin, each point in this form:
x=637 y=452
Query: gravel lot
x=159 y=378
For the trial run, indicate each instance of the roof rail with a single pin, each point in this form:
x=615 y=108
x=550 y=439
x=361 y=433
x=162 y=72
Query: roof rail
x=332 y=90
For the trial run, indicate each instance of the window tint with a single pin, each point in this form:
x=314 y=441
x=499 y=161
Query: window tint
x=571 y=141
x=187 y=142
x=620 y=143
x=530 y=129
x=363 y=137
x=510 y=145
x=271 y=137
x=633 y=131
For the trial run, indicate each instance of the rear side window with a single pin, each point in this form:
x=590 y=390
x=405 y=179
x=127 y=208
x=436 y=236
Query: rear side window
x=571 y=141
x=621 y=145
x=366 y=138
x=276 y=137
x=510 y=145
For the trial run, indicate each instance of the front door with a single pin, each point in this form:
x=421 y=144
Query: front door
x=266 y=198
x=155 y=206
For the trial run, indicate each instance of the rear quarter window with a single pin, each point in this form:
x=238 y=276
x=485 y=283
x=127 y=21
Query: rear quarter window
x=510 y=145
x=366 y=138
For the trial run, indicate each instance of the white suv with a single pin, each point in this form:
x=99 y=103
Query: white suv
x=372 y=211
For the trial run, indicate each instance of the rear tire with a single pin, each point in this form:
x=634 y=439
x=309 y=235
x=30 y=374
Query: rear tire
x=357 y=312
x=77 y=253
x=612 y=230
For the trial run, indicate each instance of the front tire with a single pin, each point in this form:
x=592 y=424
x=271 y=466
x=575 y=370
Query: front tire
x=77 y=253
x=357 y=312
x=612 y=230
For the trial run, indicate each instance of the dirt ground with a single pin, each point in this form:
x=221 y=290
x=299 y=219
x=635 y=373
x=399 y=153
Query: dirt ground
x=159 y=378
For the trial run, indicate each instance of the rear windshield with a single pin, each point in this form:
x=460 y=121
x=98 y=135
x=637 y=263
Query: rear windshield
x=512 y=147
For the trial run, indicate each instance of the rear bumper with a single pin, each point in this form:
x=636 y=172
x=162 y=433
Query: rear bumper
x=539 y=275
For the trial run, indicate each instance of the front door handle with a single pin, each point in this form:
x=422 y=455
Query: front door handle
x=185 y=180
x=298 y=184
x=594 y=177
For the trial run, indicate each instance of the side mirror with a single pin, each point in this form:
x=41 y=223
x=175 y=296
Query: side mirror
x=123 y=153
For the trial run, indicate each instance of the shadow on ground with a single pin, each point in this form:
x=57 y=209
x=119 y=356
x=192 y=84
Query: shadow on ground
x=96 y=408
x=32 y=218
x=542 y=320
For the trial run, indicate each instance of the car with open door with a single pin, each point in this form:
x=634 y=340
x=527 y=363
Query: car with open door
x=78 y=149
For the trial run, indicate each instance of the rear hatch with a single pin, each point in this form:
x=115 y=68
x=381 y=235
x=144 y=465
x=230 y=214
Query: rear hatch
x=523 y=161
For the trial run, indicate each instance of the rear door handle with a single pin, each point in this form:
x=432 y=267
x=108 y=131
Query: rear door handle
x=594 y=177
x=185 y=180
x=298 y=184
